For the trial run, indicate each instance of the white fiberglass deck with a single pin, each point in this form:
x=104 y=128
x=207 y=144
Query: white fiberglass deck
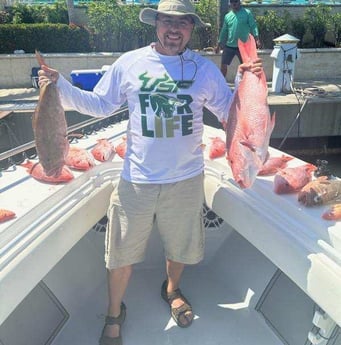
x=50 y=243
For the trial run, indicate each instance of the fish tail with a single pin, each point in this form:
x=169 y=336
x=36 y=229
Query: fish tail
x=248 y=49
x=40 y=58
x=310 y=167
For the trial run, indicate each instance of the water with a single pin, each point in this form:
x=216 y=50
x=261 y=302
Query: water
x=334 y=161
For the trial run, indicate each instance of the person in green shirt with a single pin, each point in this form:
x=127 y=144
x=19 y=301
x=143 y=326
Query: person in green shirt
x=238 y=24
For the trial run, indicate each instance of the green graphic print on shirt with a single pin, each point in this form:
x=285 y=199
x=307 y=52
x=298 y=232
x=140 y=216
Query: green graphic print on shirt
x=171 y=113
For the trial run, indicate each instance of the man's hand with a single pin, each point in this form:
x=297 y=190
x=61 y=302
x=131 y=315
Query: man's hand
x=217 y=49
x=47 y=74
x=255 y=67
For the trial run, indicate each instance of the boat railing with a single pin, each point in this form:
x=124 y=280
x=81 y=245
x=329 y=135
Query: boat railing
x=20 y=153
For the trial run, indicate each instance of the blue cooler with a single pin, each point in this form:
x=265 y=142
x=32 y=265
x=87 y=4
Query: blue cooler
x=86 y=79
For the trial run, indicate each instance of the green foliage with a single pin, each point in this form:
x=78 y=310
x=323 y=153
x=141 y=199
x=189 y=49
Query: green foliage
x=56 y=13
x=298 y=29
x=206 y=37
x=335 y=28
x=5 y=17
x=316 y=20
x=23 y=14
x=112 y=26
x=117 y=27
x=48 y=38
x=271 y=25
x=50 y=13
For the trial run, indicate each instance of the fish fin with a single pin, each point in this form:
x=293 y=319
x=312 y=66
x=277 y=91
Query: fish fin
x=27 y=164
x=248 y=144
x=40 y=59
x=323 y=179
x=310 y=167
x=248 y=49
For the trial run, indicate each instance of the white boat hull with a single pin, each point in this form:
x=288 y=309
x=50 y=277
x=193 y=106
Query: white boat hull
x=256 y=243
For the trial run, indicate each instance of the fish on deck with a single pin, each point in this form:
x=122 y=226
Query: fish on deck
x=320 y=191
x=121 y=148
x=273 y=164
x=217 y=148
x=333 y=213
x=36 y=170
x=79 y=159
x=103 y=150
x=50 y=128
x=291 y=180
x=6 y=215
x=249 y=125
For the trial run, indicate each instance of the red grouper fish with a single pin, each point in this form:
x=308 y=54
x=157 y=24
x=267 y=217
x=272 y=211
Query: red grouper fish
x=50 y=128
x=250 y=124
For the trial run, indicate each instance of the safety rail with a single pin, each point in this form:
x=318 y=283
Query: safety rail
x=19 y=154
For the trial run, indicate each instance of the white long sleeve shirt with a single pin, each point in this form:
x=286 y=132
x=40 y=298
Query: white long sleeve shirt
x=164 y=134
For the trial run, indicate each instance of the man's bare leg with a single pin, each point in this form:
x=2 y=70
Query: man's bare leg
x=174 y=272
x=118 y=280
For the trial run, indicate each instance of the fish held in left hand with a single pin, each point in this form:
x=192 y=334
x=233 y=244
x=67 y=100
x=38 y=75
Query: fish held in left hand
x=50 y=129
x=249 y=124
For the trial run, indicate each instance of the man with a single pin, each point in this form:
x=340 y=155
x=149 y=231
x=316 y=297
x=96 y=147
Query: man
x=238 y=24
x=166 y=86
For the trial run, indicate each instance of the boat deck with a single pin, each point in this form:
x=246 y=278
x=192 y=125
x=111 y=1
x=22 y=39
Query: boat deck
x=234 y=291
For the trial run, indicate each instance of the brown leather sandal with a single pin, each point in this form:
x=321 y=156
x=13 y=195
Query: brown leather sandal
x=110 y=320
x=177 y=313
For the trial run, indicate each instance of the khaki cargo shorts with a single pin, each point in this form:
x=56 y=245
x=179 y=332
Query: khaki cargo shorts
x=175 y=207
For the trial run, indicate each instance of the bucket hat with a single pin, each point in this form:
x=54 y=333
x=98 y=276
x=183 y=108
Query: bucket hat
x=173 y=8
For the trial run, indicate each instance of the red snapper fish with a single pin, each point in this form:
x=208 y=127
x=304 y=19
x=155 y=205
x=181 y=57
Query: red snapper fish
x=103 y=150
x=121 y=148
x=50 y=128
x=36 y=170
x=79 y=158
x=273 y=164
x=217 y=148
x=291 y=180
x=6 y=215
x=250 y=124
x=333 y=213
